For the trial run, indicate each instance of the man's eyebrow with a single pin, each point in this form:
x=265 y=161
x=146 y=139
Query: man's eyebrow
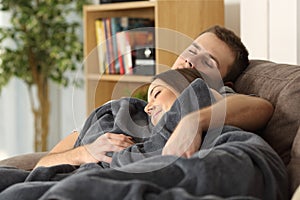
x=196 y=46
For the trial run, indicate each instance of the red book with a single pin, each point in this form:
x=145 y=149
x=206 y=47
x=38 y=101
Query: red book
x=109 y=46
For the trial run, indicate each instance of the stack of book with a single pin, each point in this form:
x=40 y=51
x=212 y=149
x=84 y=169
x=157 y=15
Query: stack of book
x=126 y=45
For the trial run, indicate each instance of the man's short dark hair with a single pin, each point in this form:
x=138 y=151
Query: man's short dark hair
x=237 y=47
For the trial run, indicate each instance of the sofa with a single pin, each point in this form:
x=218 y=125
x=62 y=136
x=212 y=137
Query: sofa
x=278 y=83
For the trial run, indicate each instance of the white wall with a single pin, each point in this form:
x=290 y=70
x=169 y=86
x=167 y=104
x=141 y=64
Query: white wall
x=232 y=15
x=254 y=27
x=16 y=121
x=270 y=29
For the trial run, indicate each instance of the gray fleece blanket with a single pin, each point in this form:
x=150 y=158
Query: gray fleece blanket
x=233 y=164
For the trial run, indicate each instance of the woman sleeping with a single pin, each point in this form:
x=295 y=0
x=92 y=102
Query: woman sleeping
x=164 y=101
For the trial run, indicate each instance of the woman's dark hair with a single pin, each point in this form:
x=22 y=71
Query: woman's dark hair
x=179 y=79
x=238 y=48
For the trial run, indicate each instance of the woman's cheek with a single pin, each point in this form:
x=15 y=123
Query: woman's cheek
x=155 y=119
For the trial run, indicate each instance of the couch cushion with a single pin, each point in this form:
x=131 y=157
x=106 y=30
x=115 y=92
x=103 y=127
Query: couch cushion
x=24 y=161
x=280 y=84
x=294 y=165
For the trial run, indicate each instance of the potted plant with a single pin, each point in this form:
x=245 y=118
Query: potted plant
x=45 y=45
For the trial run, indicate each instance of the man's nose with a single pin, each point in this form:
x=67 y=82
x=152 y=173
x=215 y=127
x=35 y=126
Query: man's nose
x=188 y=63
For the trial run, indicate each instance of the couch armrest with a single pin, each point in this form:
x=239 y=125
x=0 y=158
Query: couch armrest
x=24 y=161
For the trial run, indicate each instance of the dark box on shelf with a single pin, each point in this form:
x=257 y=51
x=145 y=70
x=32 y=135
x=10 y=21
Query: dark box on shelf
x=144 y=60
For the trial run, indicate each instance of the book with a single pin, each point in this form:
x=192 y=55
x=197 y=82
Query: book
x=109 y=46
x=121 y=50
x=115 y=28
x=124 y=48
x=107 y=71
x=101 y=46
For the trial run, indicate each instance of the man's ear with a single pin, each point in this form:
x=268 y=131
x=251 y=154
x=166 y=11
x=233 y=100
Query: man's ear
x=229 y=84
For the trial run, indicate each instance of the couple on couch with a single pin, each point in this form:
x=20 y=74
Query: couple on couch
x=231 y=162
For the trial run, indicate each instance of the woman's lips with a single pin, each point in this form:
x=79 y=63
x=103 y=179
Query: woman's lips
x=156 y=116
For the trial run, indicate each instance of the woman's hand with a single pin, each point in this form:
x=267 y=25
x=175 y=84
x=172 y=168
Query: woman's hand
x=108 y=142
x=186 y=138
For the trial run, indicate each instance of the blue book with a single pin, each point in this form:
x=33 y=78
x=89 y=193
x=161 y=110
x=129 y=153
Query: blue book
x=115 y=28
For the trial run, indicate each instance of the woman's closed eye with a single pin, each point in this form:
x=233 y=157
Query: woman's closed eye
x=156 y=94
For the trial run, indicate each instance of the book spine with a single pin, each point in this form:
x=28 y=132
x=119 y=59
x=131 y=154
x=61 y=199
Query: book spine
x=114 y=29
x=111 y=63
x=121 y=51
x=100 y=36
x=104 y=48
x=108 y=59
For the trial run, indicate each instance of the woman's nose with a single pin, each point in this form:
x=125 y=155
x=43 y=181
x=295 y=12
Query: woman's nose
x=148 y=109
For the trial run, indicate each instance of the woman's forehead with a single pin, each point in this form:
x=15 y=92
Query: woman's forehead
x=157 y=82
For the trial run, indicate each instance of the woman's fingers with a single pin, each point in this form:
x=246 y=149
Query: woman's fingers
x=118 y=136
x=109 y=142
x=119 y=140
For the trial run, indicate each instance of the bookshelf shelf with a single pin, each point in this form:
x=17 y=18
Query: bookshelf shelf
x=184 y=18
x=120 y=6
x=121 y=78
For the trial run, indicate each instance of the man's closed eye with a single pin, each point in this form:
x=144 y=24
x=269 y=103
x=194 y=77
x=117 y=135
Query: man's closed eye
x=192 y=51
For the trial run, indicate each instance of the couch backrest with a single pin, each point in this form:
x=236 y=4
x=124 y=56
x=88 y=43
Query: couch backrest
x=280 y=84
x=294 y=165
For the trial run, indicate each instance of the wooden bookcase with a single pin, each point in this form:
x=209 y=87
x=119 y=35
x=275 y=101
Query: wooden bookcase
x=177 y=23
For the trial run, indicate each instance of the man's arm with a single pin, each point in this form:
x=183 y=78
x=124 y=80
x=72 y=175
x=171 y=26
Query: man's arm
x=64 y=153
x=246 y=112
